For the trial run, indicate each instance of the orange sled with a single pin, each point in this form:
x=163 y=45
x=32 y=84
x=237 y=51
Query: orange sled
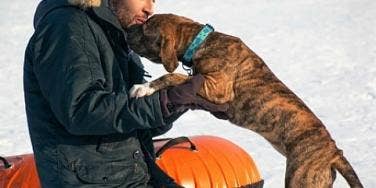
x=207 y=161
x=18 y=172
x=195 y=162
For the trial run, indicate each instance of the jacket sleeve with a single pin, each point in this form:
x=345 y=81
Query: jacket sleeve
x=67 y=65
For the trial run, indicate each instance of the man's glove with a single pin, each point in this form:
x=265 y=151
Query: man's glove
x=178 y=99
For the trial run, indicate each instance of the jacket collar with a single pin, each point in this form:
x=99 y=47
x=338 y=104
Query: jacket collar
x=104 y=12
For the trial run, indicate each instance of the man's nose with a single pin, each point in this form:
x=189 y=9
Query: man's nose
x=149 y=7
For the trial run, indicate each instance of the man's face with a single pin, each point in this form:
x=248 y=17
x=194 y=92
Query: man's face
x=130 y=12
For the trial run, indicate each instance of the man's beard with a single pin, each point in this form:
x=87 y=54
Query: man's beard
x=122 y=12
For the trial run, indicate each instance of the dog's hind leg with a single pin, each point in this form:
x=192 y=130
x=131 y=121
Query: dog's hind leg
x=310 y=175
x=317 y=178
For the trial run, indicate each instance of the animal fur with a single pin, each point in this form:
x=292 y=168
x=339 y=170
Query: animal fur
x=85 y=3
x=258 y=100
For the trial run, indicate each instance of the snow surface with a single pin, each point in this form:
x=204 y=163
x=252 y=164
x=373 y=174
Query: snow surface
x=324 y=50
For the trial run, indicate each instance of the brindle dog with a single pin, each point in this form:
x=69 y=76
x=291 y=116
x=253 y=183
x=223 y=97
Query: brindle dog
x=258 y=100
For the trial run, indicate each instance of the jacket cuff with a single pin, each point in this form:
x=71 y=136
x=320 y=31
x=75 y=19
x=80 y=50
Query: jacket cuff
x=169 y=112
x=165 y=103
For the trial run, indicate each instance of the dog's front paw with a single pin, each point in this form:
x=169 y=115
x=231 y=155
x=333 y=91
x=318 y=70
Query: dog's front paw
x=141 y=90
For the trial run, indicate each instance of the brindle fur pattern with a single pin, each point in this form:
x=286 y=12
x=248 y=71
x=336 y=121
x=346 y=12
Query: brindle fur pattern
x=258 y=100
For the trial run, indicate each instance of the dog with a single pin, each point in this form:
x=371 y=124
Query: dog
x=257 y=99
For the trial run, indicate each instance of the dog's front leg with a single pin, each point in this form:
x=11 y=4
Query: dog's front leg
x=167 y=80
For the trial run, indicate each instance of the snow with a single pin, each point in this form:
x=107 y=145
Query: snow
x=324 y=50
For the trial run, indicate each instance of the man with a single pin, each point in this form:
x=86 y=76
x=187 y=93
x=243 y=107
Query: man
x=85 y=130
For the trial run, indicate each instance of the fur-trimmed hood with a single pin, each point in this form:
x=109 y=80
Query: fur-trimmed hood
x=85 y=3
x=99 y=7
x=46 y=6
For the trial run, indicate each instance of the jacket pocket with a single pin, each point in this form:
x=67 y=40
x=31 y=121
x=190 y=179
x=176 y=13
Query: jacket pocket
x=118 y=173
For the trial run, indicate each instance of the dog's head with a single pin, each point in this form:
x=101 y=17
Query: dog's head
x=162 y=38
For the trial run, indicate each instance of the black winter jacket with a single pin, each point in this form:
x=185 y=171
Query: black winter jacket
x=83 y=126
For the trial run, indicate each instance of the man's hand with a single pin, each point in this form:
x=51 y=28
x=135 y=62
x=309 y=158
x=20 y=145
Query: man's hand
x=182 y=97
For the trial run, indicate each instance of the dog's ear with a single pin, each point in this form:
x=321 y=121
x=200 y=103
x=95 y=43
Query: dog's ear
x=168 y=52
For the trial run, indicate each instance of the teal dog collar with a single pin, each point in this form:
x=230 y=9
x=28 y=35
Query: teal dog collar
x=196 y=43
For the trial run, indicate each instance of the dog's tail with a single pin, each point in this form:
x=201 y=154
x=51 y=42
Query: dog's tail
x=344 y=167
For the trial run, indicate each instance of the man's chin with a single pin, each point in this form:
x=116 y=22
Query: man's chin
x=126 y=23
